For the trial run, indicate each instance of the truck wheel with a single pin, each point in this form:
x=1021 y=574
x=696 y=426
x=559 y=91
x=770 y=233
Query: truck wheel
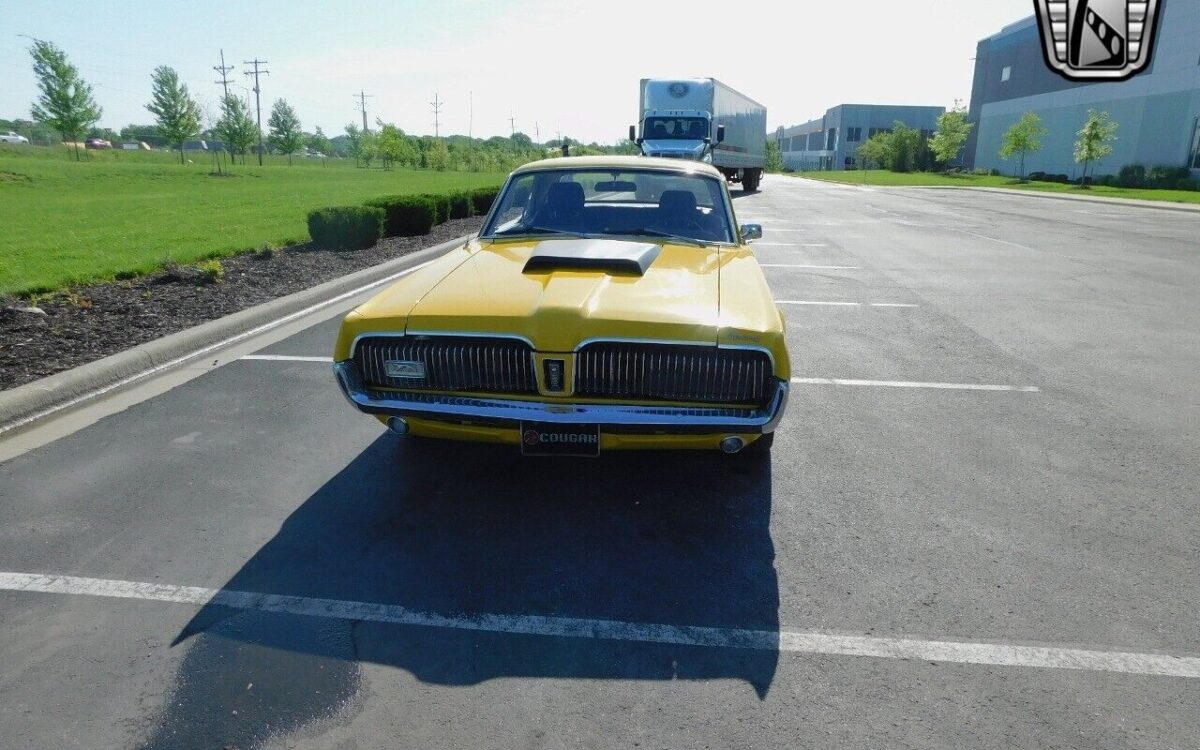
x=750 y=180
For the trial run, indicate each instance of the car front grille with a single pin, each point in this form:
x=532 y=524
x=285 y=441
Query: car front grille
x=449 y=363
x=672 y=372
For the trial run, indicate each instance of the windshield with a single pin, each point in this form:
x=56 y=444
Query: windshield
x=682 y=128
x=613 y=202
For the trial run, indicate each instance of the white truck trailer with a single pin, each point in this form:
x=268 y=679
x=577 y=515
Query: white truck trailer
x=704 y=120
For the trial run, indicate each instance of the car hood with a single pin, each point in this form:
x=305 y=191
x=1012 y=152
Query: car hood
x=491 y=291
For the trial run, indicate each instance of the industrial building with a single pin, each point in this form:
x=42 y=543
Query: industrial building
x=831 y=142
x=1158 y=111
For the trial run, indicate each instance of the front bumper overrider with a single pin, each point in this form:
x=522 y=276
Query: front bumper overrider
x=613 y=418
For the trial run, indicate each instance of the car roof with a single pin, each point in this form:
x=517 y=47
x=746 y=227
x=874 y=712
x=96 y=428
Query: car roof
x=626 y=163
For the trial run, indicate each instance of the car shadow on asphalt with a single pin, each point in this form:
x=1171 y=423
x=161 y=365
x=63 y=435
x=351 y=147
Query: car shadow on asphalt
x=458 y=529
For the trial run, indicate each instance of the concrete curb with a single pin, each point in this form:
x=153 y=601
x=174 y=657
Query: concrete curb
x=25 y=404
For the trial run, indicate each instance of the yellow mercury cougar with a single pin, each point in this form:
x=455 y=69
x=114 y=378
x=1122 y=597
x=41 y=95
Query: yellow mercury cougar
x=608 y=303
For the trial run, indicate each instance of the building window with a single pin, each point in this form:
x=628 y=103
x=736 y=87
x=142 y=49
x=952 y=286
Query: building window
x=1006 y=73
x=876 y=131
x=853 y=135
x=831 y=139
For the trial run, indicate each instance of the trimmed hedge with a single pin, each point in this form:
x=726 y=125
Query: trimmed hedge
x=460 y=205
x=406 y=215
x=483 y=198
x=441 y=206
x=345 y=227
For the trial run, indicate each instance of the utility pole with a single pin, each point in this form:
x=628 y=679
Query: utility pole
x=437 y=111
x=362 y=105
x=512 y=124
x=471 y=117
x=258 y=99
x=537 y=133
x=222 y=69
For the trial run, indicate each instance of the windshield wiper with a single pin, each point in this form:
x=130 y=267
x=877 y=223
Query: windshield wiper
x=665 y=235
x=520 y=231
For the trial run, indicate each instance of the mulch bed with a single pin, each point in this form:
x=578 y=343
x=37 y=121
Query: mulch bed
x=84 y=324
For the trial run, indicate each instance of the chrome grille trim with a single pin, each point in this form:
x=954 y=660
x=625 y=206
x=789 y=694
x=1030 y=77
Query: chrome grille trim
x=452 y=363
x=672 y=372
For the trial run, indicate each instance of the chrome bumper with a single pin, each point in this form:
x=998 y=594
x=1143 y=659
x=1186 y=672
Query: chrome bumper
x=501 y=412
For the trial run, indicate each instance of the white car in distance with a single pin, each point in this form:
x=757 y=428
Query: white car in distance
x=11 y=137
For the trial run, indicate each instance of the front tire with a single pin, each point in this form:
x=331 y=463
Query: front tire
x=750 y=180
x=762 y=446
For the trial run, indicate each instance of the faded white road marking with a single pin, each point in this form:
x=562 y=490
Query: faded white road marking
x=961 y=652
x=285 y=358
x=800 y=265
x=842 y=304
x=915 y=384
x=756 y=243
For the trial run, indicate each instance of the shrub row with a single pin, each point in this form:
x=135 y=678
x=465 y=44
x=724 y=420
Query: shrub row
x=345 y=227
x=358 y=227
x=1133 y=176
x=1161 y=176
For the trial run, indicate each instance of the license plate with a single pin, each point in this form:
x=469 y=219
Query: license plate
x=543 y=439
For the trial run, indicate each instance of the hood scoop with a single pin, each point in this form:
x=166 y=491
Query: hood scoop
x=617 y=256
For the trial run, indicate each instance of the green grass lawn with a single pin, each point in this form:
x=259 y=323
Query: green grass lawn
x=884 y=178
x=64 y=222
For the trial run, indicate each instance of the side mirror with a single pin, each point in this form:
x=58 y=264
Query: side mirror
x=751 y=232
x=720 y=134
x=633 y=132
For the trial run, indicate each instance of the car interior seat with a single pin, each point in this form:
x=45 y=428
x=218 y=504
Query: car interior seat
x=564 y=202
x=677 y=212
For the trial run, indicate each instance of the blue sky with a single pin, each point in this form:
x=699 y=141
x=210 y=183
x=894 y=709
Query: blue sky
x=569 y=67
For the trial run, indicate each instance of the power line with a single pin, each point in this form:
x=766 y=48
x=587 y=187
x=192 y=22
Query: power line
x=257 y=99
x=222 y=70
x=362 y=105
x=437 y=112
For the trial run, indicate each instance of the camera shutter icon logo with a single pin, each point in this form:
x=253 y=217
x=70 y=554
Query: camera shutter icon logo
x=1097 y=40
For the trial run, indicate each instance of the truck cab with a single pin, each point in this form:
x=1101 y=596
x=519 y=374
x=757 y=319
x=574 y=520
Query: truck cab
x=701 y=119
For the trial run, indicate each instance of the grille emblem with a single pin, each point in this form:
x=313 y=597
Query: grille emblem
x=554 y=374
x=397 y=368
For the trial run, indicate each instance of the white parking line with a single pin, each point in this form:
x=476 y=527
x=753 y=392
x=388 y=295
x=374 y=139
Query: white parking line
x=961 y=652
x=842 y=304
x=800 y=265
x=915 y=384
x=789 y=244
x=285 y=358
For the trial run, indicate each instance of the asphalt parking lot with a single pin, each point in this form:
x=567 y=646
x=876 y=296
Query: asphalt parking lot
x=978 y=528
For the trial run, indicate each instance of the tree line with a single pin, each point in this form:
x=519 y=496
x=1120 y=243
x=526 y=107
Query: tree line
x=66 y=105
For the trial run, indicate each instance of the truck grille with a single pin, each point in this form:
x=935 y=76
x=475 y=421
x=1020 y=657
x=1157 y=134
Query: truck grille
x=449 y=363
x=672 y=372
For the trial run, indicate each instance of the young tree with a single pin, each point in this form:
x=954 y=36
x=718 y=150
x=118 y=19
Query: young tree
x=285 y=135
x=318 y=142
x=177 y=113
x=236 y=127
x=437 y=156
x=951 y=135
x=1024 y=137
x=774 y=158
x=65 y=103
x=876 y=150
x=905 y=150
x=354 y=146
x=1095 y=141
